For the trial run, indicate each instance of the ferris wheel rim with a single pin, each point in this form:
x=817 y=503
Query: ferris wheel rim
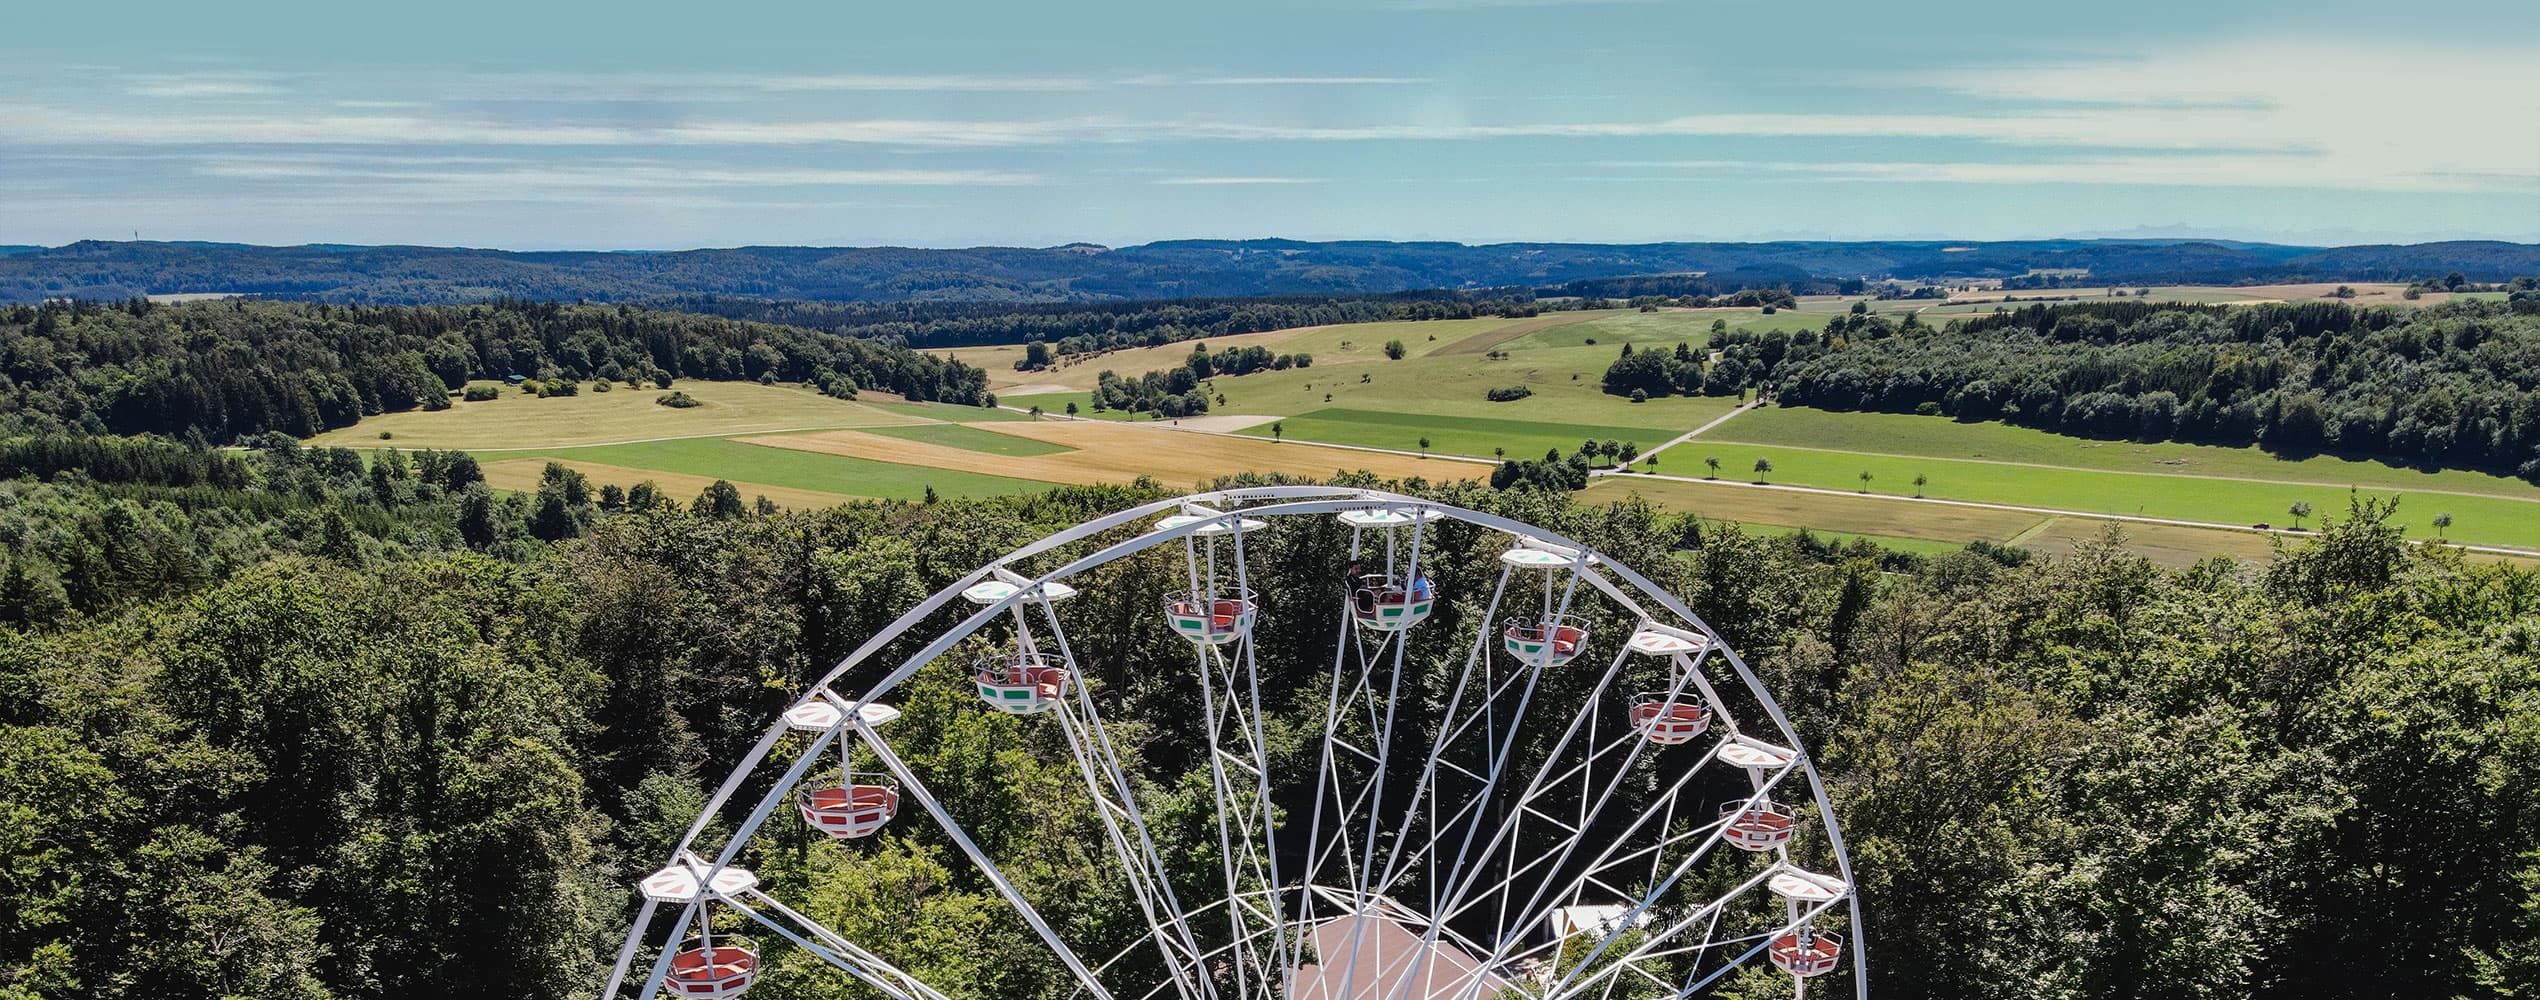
x=999 y=588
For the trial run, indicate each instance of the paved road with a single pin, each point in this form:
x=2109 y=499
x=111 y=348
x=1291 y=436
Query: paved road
x=1697 y=432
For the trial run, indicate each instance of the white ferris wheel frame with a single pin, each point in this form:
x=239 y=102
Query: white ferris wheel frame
x=693 y=877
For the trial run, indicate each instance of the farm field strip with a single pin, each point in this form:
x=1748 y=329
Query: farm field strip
x=739 y=459
x=1470 y=436
x=515 y=420
x=968 y=438
x=1336 y=345
x=1111 y=453
x=1666 y=326
x=1486 y=341
x=1946 y=526
x=1892 y=434
x=2455 y=539
x=1791 y=509
x=2480 y=520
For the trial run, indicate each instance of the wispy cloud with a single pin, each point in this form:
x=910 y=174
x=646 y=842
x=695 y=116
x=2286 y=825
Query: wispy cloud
x=1235 y=181
x=1309 y=81
x=512 y=177
x=201 y=85
x=920 y=83
x=2316 y=114
x=1483 y=4
x=2228 y=170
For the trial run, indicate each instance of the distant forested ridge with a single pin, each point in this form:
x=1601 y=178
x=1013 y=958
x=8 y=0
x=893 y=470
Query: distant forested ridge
x=2452 y=386
x=227 y=370
x=1080 y=328
x=1178 y=269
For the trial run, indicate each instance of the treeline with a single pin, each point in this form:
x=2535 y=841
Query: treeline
x=233 y=369
x=1177 y=392
x=1773 y=287
x=2456 y=385
x=1745 y=359
x=432 y=771
x=1087 y=328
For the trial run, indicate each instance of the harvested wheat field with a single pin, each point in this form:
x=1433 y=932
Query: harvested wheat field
x=1119 y=453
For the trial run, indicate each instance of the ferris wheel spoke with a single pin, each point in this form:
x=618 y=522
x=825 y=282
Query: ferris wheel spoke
x=1553 y=612
x=1098 y=763
x=1507 y=829
x=1594 y=805
x=1438 y=750
x=661 y=965
x=826 y=945
x=1630 y=919
x=1005 y=887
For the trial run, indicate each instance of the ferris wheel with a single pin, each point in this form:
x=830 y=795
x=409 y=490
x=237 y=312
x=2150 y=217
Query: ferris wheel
x=1578 y=791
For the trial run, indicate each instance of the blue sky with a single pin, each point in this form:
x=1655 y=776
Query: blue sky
x=534 y=125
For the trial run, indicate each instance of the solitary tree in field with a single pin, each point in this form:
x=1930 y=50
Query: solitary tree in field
x=1071 y=409
x=1393 y=350
x=2300 y=509
x=1424 y=447
x=1865 y=480
x=1036 y=412
x=1763 y=467
x=1652 y=460
x=1714 y=463
x=1919 y=480
x=2442 y=521
x=1499 y=451
x=1278 y=431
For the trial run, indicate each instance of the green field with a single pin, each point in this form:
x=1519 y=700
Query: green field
x=1566 y=382
x=1940 y=437
x=2483 y=520
x=1667 y=326
x=971 y=438
x=950 y=412
x=1472 y=436
x=1353 y=395
x=517 y=419
x=727 y=459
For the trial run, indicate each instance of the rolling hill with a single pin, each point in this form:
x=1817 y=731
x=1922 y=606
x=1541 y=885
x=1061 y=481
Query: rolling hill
x=1173 y=269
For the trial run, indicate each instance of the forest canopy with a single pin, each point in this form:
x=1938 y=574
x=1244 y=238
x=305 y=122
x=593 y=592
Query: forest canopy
x=233 y=369
x=291 y=725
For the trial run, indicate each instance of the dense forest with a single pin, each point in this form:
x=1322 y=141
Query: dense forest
x=2456 y=385
x=284 y=724
x=1172 y=269
x=233 y=369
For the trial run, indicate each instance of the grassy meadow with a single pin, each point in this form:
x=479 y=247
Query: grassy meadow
x=802 y=449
